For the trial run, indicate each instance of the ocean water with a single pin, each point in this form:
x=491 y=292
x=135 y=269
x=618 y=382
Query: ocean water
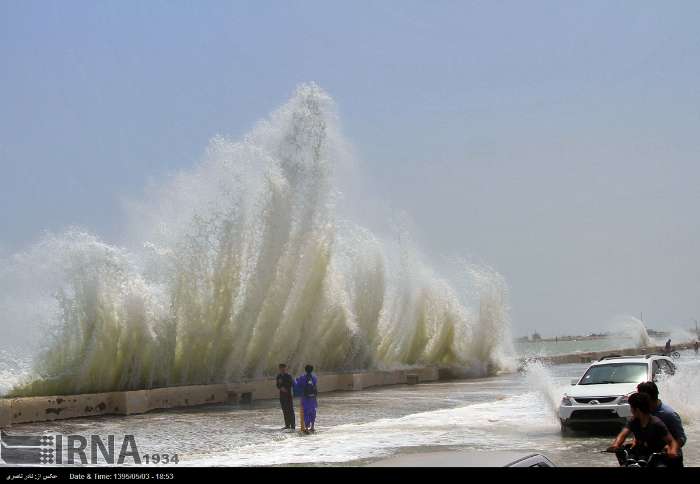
x=551 y=348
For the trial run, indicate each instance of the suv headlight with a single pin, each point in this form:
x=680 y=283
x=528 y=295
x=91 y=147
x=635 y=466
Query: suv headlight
x=625 y=399
x=567 y=401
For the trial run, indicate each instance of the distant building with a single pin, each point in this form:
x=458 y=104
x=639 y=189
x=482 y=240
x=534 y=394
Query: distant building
x=596 y=336
x=536 y=336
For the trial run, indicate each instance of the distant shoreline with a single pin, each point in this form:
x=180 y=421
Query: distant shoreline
x=526 y=339
x=590 y=337
x=591 y=356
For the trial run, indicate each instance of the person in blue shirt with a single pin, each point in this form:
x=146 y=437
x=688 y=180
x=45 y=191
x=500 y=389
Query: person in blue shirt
x=307 y=386
x=666 y=414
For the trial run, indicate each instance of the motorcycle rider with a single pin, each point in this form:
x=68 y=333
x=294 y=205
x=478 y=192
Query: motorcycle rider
x=664 y=412
x=650 y=434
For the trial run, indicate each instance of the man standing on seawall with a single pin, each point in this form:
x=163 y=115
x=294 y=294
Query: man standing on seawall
x=284 y=385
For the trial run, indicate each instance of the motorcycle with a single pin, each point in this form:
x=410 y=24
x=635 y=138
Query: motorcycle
x=627 y=458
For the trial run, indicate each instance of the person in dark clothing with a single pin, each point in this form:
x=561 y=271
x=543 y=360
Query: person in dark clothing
x=284 y=385
x=662 y=410
x=665 y=413
x=667 y=348
x=650 y=434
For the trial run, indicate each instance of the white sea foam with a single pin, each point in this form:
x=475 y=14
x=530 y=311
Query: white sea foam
x=682 y=390
x=242 y=264
x=486 y=425
x=548 y=391
x=633 y=328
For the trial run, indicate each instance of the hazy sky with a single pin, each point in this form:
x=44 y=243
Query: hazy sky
x=557 y=141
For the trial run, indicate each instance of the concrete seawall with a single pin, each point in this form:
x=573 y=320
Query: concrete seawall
x=40 y=409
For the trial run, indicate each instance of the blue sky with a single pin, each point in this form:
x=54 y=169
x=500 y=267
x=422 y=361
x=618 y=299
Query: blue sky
x=557 y=141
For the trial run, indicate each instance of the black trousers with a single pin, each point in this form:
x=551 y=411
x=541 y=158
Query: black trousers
x=286 y=401
x=675 y=463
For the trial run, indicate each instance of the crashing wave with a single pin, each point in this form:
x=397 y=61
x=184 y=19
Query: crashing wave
x=244 y=265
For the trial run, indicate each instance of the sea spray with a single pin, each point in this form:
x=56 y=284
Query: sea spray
x=682 y=390
x=15 y=368
x=541 y=381
x=680 y=335
x=633 y=328
x=243 y=264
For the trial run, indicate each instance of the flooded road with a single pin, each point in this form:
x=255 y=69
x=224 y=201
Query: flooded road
x=514 y=411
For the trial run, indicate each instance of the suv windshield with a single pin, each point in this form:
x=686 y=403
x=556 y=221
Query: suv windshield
x=615 y=373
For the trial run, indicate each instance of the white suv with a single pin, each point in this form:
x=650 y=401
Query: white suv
x=600 y=395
